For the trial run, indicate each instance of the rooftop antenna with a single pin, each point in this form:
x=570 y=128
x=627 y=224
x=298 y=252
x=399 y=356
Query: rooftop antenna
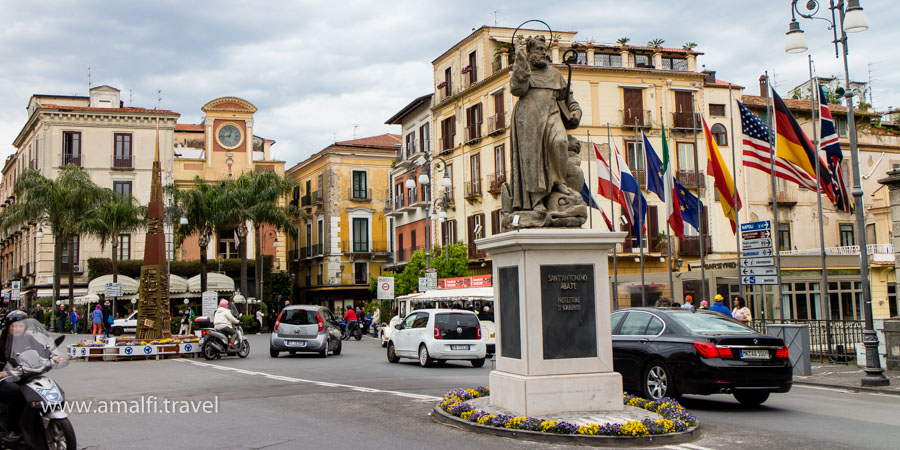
x=158 y=98
x=355 y=127
x=494 y=12
x=89 y=78
x=334 y=136
x=130 y=97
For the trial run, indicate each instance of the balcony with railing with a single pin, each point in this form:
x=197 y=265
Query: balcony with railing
x=447 y=144
x=495 y=182
x=635 y=118
x=496 y=123
x=310 y=200
x=68 y=158
x=360 y=195
x=640 y=177
x=123 y=162
x=364 y=247
x=420 y=198
x=473 y=189
x=687 y=121
x=449 y=199
x=690 y=246
x=473 y=133
x=689 y=178
x=317 y=198
x=311 y=251
x=398 y=206
x=876 y=251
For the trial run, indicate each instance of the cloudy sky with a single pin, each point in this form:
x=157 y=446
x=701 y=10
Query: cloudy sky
x=318 y=69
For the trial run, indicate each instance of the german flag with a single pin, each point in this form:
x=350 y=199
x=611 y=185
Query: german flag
x=716 y=167
x=791 y=144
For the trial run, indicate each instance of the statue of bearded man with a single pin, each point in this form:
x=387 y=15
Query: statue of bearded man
x=537 y=190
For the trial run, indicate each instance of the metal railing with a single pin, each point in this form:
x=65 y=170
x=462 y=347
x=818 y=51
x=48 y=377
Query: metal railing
x=473 y=132
x=690 y=246
x=448 y=196
x=473 y=188
x=688 y=178
x=361 y=194
x=364 y=247
x=871 y=249
x=495 y=181
x=122 y=163
x=447 y=144
x=317 y=197
x=69 y=159
x=635 y=117
x=684 y=121
x=833 y=340
x=496 y=123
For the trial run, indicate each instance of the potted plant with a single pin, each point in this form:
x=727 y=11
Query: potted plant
x=623 y=41
x=442 y=84
x=656 y=44
x=467 y=69
x=662 y=243
x=555 y=39
x=690 y=46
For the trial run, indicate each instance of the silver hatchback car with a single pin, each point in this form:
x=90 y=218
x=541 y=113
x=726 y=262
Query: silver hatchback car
x=306 y=328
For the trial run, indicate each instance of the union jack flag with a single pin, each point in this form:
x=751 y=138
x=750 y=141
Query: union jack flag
x=828 y=141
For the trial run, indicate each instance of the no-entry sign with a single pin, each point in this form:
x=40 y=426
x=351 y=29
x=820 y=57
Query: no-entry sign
x=385 y=288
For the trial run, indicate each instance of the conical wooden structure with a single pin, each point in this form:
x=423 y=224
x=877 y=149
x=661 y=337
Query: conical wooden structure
x=153 y=304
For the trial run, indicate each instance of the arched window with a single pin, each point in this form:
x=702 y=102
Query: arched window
x=719 y=134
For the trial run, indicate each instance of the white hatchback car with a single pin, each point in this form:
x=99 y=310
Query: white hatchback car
x=437 y=335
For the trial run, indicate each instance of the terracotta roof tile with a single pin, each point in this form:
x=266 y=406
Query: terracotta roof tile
x=722 y=84
x=188 y=127
x=794 y=104
x=384 y=140
x=89 y=108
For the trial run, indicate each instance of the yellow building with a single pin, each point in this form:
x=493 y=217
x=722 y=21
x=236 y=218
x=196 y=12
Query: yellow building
x=343 y=237
x=223 y=147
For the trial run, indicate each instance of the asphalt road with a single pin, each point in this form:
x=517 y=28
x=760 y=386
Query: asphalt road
x=359 y=400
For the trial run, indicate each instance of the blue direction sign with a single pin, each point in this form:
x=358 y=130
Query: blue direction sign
x=751 y=244
x=759 y=280
x=756 y=226
x=758 y=253
x=765 y=271
x=757 y=262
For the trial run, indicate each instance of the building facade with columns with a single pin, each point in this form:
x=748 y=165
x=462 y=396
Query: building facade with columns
x=114 y=144
x=222 y=147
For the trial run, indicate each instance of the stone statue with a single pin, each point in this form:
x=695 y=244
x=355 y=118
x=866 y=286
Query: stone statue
x=538 y=193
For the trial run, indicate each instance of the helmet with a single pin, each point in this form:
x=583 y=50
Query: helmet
x=719 y=297
x=223 y=303
x=13 y=317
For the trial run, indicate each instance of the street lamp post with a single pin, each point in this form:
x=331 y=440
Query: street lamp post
x=847 y=20
x=424 y=179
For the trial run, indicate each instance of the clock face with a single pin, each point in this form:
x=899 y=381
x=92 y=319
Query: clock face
x=229 y=136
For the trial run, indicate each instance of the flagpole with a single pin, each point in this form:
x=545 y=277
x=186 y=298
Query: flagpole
x=590 y=209
x=643 y=219
x=668 y=227
x=737 y=217
x=612 y=211
x=700 y=202
x=776 y=239
x=824 y=301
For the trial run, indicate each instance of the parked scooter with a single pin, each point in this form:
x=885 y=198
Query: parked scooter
x=44 y=423
x=214 y=343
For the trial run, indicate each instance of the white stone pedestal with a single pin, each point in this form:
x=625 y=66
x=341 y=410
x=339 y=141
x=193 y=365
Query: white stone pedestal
x=551 y=309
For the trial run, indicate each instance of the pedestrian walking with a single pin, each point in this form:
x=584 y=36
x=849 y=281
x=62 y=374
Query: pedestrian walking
x=61 y=318
x=97 y=321
x=704 y=305
x=73 y=318
x=376 y=321
x=741 y=311
x=107 y=319
x=185 y=328
x=259 y=318
x=688 y=302
x=719 y=307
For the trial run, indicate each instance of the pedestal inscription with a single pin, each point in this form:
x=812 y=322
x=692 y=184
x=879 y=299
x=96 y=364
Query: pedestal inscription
x=510 y=331
x=567 y=311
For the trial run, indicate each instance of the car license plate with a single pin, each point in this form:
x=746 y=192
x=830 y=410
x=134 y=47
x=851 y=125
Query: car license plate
x=459 y=347
x=295 y=343
x=754 y=354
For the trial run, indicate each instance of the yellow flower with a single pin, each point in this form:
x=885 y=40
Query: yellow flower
x=589 y=429
x=634 y=428
x=466 y=415
x=515 y=422
x=484 y=419
x=547 y=424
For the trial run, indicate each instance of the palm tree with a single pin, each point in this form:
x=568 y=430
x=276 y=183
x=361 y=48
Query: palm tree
x=623 y=41
x=61 y=203
x=199 y=206
x=656 y=43
x=113 y=216
x=689 y=46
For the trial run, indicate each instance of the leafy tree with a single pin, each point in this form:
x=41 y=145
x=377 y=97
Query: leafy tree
x=115 y=215
x=199 y=206
x=407 y=281
x=60 y=203
x=281 y=286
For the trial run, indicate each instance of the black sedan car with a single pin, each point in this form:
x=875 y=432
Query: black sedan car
x=669 y=352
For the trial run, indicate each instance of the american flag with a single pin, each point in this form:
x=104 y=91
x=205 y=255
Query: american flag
x=756 y=152
x=828 y=141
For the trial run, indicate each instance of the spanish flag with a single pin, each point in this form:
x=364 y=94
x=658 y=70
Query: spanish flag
x=723 y=181
x=791 y=144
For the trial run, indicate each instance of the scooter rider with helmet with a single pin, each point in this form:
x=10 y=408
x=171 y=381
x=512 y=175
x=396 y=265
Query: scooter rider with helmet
x=224 y=321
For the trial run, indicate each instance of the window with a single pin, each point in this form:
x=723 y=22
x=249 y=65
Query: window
x=641 y=61
x=448 y=80
x=228 y=247
x=495 y=221
x=448 y=132
x=716 y=110
x=473 y=67
x=451 y=231
x=474 y=175
x=450 y=175
x=581 y=58
x=846 y=234
x=784 y=237
x=124 y=247
x=498 y=120
x=421 y=320
x=893 y=302
x=475 y=231
x=122 y=157
x=636 y=324
x=719 y=134
x=360 y=273
x=320 y=233
x=841 y=125
x=607 y=60
x=75 y=243
x=360 y=187
x=474 y=119
x=308 y=235
x=669 y=63
x=425 y=138
x=685 y=151
x=412 y=239
x=499 y=159
x=410 y=147
x=122 y=188
x=360 y=234
x=400 y=248
x=633 y=112
x=634 y=157
x=71 y=148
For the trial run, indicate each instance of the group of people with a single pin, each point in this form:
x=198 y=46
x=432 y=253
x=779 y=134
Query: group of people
x=739 y=310
x=358 y=318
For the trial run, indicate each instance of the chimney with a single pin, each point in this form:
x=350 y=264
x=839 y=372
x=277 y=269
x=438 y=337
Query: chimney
x=763 y=92
x=709 y=76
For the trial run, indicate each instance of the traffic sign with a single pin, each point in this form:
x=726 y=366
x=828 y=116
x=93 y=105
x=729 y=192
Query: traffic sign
x=113 y=290
x=754 y=226
x=385 y=288
x=751 y=244
x=761 y=234
x=757 y=262
x=758 y=252
x=759 y=280
x=758 y=271
x=432 y=280
x=16 y=292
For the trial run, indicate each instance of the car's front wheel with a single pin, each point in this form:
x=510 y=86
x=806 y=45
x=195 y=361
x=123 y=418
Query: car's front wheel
x=392 y=353
x=658 y=382
x=424 y=359
x=117 y=331
x=751 y=399
x=337 y=350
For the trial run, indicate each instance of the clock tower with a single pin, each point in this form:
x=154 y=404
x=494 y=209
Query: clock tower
x=228 y=127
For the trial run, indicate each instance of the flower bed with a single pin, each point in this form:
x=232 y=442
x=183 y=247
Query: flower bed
x=186 y=339
x=674 y=419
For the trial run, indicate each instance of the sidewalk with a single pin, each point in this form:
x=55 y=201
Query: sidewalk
x=847 y=377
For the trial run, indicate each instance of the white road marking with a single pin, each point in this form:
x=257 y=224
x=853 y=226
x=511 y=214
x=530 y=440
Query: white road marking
x=418 y=397
x=686 y=446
